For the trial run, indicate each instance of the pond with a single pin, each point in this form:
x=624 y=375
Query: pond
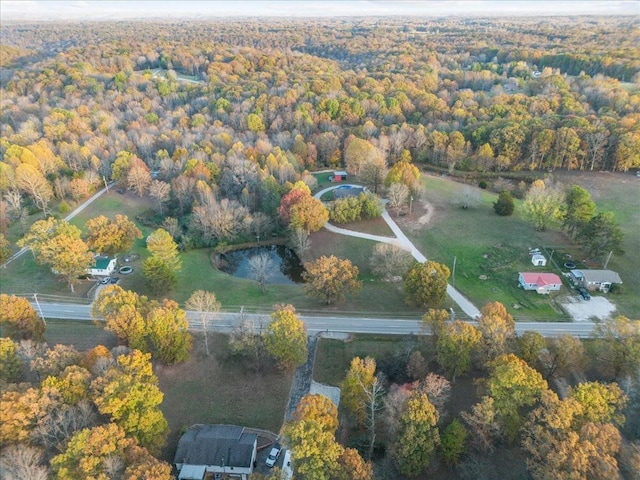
x=287 y=268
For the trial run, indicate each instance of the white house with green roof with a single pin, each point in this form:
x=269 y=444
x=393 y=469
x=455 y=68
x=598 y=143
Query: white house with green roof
x=103 y=265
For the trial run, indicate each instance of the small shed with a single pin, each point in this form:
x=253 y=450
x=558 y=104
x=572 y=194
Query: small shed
x=538 y=260
x=338 y=176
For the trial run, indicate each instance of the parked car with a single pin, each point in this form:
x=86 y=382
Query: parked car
x=115 y=280
x=105 y=280
x=584 y=293
x=273 y=455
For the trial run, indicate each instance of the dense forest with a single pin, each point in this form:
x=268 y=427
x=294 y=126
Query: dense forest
x=245 y=107
x=221 y=124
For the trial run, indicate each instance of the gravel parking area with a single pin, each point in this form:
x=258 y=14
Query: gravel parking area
x=586 y=310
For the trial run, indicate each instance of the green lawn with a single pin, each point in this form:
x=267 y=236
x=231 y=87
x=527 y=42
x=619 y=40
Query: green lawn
x=333 y=357
x=486 y=244
x=619 y=193
x=219 y=389
x=489 y=251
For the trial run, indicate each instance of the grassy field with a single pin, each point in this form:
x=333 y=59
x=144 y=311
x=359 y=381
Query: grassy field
x=333 y=357
x=488 y=250
x=619 y=193
x=495 y=248
x=219 y=389
x=82 y=335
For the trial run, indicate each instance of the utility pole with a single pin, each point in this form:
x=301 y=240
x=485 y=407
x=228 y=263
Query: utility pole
x=453 y=273
x=608 y=258
x=106 y=185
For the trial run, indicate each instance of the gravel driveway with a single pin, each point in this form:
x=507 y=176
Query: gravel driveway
x=585 y=310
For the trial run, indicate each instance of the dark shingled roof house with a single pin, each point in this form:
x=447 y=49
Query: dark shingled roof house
x=225 y=450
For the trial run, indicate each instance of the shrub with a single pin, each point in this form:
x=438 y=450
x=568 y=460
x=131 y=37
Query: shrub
x=504 y=206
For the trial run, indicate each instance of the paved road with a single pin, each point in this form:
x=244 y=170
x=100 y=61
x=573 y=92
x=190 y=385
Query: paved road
x=226 y=321
x=400 y=240
x=80 y=208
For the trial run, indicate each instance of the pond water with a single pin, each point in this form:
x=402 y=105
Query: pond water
x=287 y=268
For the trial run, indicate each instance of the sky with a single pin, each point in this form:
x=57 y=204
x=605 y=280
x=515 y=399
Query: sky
x=130 y=9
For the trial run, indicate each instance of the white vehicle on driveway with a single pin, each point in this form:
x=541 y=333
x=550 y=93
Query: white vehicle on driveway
x=273 y=455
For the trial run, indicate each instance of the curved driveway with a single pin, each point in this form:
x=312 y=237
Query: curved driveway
x=400 y=240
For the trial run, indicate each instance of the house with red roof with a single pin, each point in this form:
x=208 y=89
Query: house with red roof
x=542 y=283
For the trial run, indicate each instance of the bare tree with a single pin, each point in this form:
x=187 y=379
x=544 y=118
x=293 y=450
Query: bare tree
x=247 y=340
x=398 y=195
x=466 y=198
x=261 y=269
x=390 y=261
x=438 y=390
x=374 y=393
x=14 y=204
x=170 y=224
x=22 y=462
x=159 y=191
x=207 y=306
x=261 y=225
x=299 y=241
x=54 y=429
x=31 y=181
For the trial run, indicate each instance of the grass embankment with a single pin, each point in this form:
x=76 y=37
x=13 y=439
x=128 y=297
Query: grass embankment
x=333 y=357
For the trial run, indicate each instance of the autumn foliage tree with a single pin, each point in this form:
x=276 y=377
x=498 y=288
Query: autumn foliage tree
x=498 y=331
x=299 y=210
x=124 y=314
x=418 y=437
x=454 y=346
x=559 y=446
x=57 y=243
x=106 y=452
x=128 y=392
x=111 y=237
x=169 y=332
x=316 y=453
x=425 y=285
x=19 y=318
x=359 y=378
x=143 y=324
x=286 y=338
x=513 y=385
x=161 y=268
x=320 y=409
x=330 y=278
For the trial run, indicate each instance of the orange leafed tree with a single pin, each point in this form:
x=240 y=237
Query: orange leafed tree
x=330 y=278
